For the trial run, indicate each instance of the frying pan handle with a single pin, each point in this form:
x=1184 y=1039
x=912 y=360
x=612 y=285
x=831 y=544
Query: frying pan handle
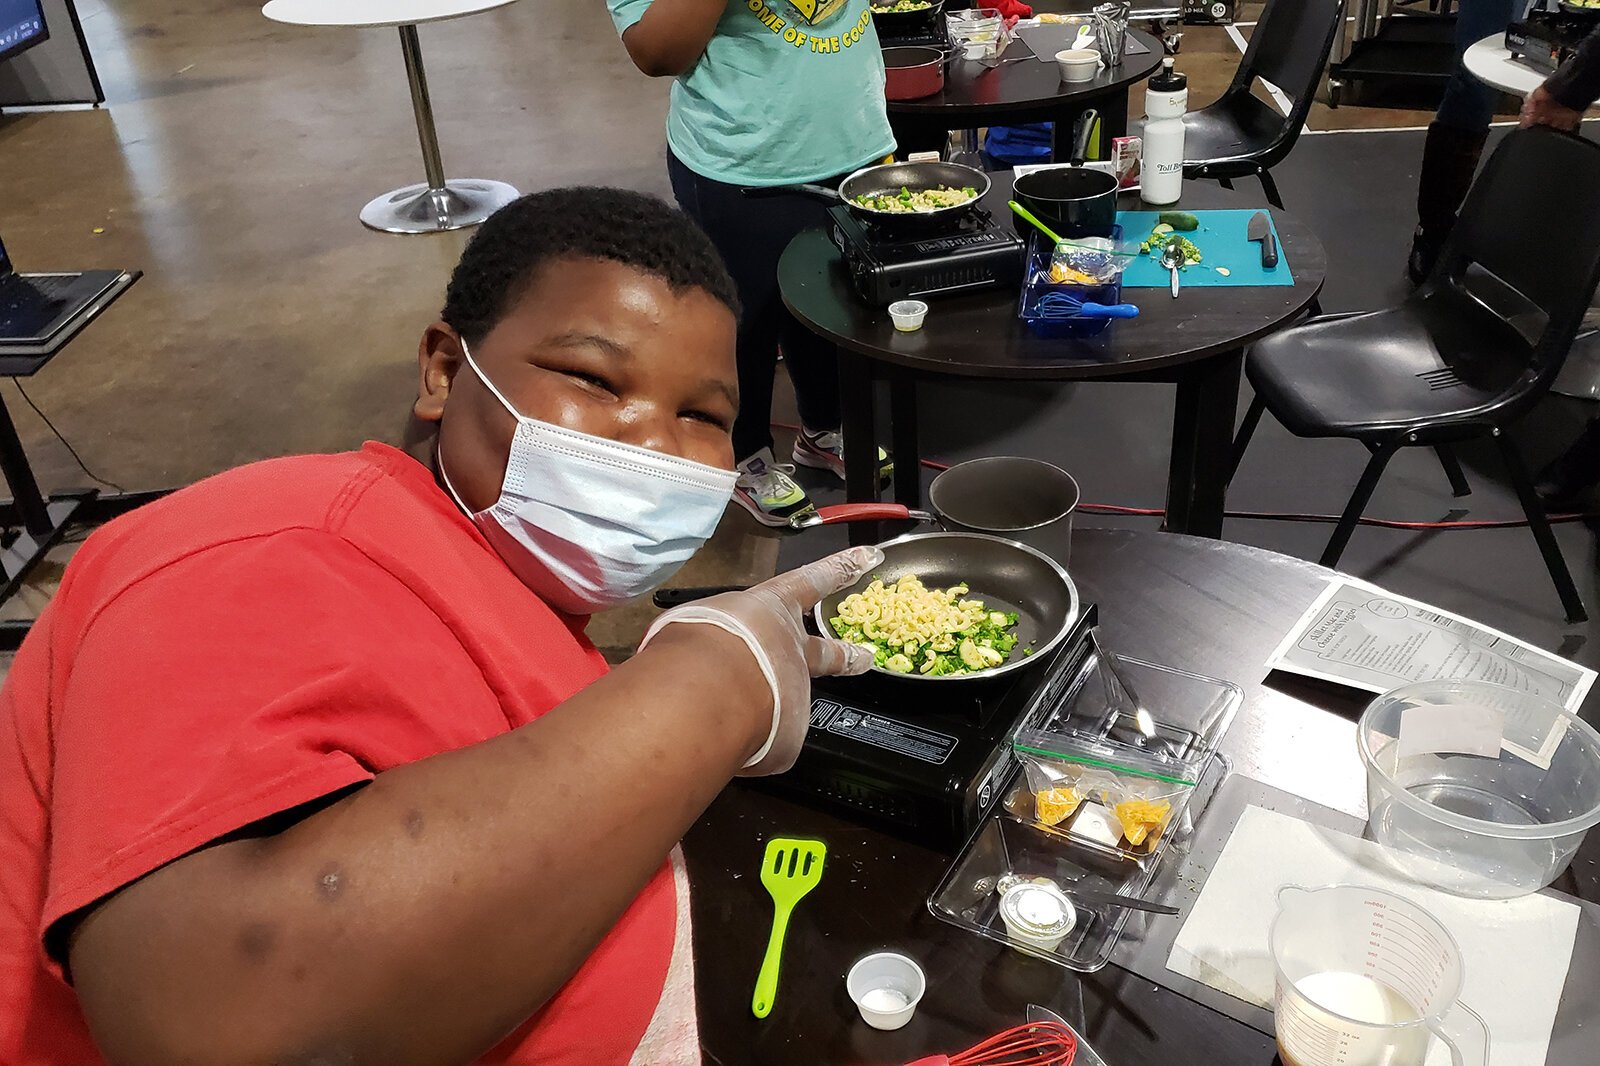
x=1081 y=135
x=815 y=192
x=665 y=598
x=865 y=512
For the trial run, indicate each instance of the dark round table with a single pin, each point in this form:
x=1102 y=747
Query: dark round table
x=1023 y=90
x=1195 y=342
x=1213 y=608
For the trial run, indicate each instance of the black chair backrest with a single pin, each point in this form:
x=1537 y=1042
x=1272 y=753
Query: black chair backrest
x=1532 y=222
x=1289 y=47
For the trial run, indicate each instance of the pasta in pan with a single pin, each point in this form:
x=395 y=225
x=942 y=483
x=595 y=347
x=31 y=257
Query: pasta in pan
x=938 y=632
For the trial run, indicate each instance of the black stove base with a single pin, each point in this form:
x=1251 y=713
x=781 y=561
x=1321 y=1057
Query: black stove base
x=921 y=760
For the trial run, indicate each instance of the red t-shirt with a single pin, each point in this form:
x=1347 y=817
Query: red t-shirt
x=254 y=642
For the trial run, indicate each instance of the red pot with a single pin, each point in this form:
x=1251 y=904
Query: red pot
x=912 y=72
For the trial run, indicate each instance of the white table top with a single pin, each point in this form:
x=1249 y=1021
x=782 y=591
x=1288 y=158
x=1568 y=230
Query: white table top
x=1490 y=63
x=373 y=12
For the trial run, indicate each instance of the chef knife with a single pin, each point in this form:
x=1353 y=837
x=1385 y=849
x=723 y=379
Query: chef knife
x=1260 y=229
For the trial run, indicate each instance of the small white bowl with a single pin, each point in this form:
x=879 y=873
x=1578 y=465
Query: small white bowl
x=886 y=988
x=1078 y=64
x=908 y=315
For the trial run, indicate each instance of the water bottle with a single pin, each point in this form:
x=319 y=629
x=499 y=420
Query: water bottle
x=1166 y=98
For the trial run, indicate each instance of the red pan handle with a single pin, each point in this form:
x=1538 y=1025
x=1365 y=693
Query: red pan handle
x=863 y=512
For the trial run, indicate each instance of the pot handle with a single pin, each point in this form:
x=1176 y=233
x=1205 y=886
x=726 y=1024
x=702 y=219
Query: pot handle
x=866 y=512
x=815 y=192
x=1081 y=135
x=1461 y=1025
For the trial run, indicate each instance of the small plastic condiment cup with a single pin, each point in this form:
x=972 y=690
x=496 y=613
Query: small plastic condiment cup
x=886 y=987
x=1038 y=915
x=908 y=315
x=1078 y=64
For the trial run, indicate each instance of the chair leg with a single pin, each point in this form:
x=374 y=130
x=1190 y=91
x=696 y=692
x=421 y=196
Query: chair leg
x=1452 y=470
x=1553 y=561
x=1226 y=183
x=1357 y=504
x=1241 y=441
x=1270 y=187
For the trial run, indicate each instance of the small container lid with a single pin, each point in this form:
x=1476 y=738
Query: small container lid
x=1168 y=80
x=1037 y=910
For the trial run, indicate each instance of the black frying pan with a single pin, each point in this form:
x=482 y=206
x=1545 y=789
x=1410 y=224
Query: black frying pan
x=900 y=21
x=887 y=179
x=1005 y=575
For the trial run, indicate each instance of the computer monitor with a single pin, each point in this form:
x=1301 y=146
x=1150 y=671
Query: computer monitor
x=21 y=26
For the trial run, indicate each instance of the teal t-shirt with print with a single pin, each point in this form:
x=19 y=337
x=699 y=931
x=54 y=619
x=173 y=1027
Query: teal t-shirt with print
x=786 y=91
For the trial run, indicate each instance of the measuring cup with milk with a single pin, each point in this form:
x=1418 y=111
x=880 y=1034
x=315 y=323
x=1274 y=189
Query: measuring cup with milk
x=1367 y=978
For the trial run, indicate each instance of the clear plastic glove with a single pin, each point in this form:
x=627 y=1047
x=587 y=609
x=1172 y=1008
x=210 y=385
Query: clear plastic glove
x=770 y=619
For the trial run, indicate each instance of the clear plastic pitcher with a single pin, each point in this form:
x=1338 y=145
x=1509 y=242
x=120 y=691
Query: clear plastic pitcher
x=1367 y=978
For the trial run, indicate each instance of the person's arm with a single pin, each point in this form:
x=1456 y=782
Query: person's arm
x=1565 y=95
x=424 y=916
x=670 y=37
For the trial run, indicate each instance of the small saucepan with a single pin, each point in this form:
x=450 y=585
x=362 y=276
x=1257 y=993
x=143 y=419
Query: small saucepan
x=1074 y=201
x=911 y=72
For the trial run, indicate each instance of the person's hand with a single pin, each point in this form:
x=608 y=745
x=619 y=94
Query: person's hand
x=770 y=619
x=1543 y=109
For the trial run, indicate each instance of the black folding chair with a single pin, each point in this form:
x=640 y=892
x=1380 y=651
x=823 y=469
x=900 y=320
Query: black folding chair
x=1240 y=136
x=1473 y=348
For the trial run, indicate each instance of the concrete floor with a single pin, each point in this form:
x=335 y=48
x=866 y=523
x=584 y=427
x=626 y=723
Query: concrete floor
x=229 y=164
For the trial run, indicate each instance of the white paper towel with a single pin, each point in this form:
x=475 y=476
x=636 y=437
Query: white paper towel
x=1516 y=951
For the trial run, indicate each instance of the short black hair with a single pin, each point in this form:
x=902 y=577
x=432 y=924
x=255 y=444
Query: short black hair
x=586 y=222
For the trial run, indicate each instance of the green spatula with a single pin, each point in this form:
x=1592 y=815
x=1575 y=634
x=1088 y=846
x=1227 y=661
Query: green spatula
x=790 y=869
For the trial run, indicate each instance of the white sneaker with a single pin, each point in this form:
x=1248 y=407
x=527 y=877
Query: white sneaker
x=767 y=489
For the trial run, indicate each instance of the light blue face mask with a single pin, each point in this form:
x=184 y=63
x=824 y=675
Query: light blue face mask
x=588 y=523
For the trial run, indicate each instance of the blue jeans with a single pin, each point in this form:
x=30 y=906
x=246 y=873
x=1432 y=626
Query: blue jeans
x=1468 y=103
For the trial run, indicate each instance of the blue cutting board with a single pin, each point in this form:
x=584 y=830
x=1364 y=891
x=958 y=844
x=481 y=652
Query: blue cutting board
x=1222 y=243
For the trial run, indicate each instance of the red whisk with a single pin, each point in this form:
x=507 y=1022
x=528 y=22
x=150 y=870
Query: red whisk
x=1030 y=1044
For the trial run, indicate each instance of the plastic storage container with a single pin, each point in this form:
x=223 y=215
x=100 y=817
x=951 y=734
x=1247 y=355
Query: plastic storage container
x=1478 y=789
x=1124 y=704
x=1123 y=730
x=1036 y=284
x=969 y=896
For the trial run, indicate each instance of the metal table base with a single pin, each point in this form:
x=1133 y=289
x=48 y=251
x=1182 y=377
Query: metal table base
x=435 y=205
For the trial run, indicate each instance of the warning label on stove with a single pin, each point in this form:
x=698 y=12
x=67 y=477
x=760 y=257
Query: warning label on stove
x=880 y=732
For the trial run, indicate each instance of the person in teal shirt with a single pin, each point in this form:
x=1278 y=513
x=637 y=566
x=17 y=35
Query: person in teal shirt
x=767 y=92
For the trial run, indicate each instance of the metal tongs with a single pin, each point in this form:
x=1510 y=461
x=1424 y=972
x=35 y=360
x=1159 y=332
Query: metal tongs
x=1172 y=259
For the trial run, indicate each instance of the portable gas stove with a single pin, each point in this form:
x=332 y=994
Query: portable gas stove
x=929 y=32
x=1546 y=39
x=975 y=253
x=922 y=760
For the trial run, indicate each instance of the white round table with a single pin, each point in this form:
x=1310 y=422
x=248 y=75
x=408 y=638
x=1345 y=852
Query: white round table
x=436 y=204
x=1490 y=62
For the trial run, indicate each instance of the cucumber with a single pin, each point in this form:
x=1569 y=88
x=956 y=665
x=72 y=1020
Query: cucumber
x=1182 y=221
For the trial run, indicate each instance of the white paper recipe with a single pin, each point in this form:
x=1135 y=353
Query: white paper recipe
x=1359 y=635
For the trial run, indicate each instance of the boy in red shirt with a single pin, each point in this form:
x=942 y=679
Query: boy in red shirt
x=311 y=761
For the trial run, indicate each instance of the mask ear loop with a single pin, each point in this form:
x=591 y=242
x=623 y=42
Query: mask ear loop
x=438 y=453
x=491 y=386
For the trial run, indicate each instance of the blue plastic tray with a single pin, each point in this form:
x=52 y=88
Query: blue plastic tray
x=1036 y=283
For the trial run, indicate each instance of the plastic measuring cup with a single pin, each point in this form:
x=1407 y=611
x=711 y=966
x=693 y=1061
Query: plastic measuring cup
x=1367 y=978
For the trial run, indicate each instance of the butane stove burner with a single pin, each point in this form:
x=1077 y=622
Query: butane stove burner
x=1547 y=39
x=929 y=32
x=922 y=760
x=974 y=253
